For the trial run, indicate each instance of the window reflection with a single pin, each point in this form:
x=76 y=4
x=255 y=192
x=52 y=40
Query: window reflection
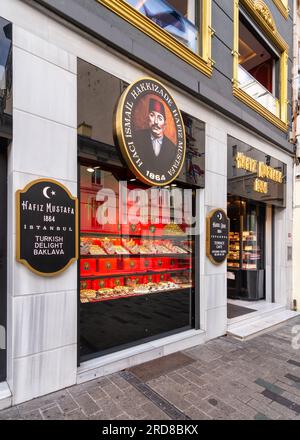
x=176 y=17
x=5 y=66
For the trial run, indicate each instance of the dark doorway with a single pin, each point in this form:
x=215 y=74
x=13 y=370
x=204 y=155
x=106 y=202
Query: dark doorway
x=3 y=244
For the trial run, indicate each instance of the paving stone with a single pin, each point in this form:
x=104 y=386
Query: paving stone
x=241 y=407
x=87 y=404
x=283 y=410
x=113 y=391
x=122 y=417
x=10 y=413
x=196 y=414
x=173 y=397
x=120 y=382
x=97 y=393
x=290 y=388
x=218 y=415
x=191 y=377
x=260 y=416
x=264 y=409
x=33 y=415
x=154 y=413
x=52 y=413
x=108 y=411
x=132 y=395
x=67 y=403
x=223 y=379
x=178 y=378
x=203 y=353
x=77 y=414
x=220 y=405
x=269 y=386
x=41 y=402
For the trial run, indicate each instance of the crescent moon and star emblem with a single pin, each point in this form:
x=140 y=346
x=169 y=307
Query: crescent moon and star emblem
x=220 y=216
x=46 y=192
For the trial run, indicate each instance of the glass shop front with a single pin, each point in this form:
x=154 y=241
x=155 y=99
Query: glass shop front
x=256 y=187
x=139 y=253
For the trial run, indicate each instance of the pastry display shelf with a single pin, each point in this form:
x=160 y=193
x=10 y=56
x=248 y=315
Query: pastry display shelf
x=179 y=256
x=129 y=274
x=129 y=295
x=139 y=236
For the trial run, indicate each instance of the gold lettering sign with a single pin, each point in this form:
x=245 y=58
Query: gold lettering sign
x=246 y=163
x=263 y=172
x=260 y=186
x=269 y=172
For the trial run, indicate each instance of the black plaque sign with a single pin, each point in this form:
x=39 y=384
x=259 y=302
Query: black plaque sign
x=217 y=236
x=149 y=130
x=47 y=227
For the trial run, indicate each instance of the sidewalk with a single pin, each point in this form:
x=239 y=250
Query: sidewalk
x=223 y=379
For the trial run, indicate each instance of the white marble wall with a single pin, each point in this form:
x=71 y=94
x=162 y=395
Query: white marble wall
x=42 y=311
x=213 y=288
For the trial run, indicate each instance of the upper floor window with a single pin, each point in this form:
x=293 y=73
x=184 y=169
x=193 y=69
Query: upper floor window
x=182 y=26
x=258 y=72
x=178 y=17
x=260 y=62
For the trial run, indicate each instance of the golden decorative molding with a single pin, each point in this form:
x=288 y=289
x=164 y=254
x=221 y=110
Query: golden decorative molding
x=265 y=13
x=256 y=10
x=202 y=62
x=256 y=106
x=256 y=14
x=282 y=5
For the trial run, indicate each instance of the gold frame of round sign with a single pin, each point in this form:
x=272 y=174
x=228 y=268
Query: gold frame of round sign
x=118 y=132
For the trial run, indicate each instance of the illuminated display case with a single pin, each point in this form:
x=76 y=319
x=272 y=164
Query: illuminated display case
x=136 y=277
x=245 y=263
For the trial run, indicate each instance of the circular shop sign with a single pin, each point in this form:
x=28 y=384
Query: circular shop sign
x=150 y=132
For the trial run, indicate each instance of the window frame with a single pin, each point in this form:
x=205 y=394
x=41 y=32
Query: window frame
x=201 y=61
x=261 y=15
x=283 y=6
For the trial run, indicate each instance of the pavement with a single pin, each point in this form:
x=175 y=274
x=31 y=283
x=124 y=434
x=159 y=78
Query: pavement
x=223 y=379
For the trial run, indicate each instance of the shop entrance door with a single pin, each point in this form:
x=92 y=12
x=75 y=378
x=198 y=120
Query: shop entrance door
x=3 y=214
x=246 y=259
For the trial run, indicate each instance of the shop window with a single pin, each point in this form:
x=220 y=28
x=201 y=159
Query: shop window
x=260 y=62
x=136 y=261
x=182 y=26
x=258 y=70
x=5 y=69
x=139 y=245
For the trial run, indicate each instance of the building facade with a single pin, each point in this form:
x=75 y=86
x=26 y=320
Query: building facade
x=228 y=66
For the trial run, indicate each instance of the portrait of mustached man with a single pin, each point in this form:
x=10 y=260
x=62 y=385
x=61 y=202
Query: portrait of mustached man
x=156 y=150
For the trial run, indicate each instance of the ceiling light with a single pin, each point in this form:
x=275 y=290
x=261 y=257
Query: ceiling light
x=90 y=170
